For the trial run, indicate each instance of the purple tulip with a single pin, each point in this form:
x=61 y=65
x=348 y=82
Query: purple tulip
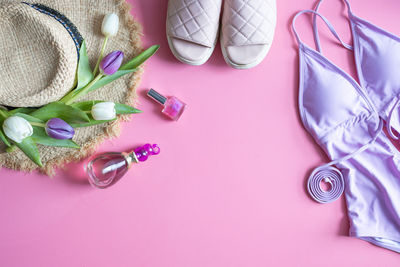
x=59 y=129
x=111 y=63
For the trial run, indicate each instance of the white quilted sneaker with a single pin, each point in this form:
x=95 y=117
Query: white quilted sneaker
x=247 y=33
x=192 y=29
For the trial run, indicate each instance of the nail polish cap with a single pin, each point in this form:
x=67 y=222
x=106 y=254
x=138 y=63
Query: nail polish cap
x=156 y=96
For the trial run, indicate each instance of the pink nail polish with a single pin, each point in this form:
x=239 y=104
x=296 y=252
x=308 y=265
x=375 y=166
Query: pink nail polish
x=173 y=107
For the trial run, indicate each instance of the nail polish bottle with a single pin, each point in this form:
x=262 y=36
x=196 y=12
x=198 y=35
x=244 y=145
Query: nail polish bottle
x=173 y=107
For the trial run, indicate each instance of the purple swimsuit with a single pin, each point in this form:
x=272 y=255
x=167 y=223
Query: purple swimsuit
x=346 y=119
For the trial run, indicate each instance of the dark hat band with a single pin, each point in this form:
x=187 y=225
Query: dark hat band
x=65 y=22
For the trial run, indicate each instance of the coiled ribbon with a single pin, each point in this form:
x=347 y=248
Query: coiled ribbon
x=333 y=176
x=330 y=175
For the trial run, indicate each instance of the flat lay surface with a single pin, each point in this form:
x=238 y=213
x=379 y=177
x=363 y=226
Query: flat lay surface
x=228 y=187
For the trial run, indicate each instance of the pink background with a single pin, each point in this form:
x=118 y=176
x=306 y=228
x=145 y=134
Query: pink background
x=228 y=188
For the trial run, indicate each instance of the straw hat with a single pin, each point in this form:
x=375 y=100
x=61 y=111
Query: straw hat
x=39 y=44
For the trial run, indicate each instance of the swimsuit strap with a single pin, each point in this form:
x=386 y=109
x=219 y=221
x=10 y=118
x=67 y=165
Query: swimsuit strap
x=315 y=27
x=331 y=28
x=389 y=120
x=345 y=1
x=330 y=174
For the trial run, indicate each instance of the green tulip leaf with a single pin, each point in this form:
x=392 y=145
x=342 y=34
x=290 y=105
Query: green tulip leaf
x=139 y=59
x=91 y=123
x=110 y=78
x=2 y=135
x=4 y=138
x=28 y=117
x=119 y=108
x=60 y=110
x=84 y=73
x=21 y=110
x=126 y=109
x=3 y=115
x=127 y=68
x=29 y=147
x=87 y=106
x=40 y=137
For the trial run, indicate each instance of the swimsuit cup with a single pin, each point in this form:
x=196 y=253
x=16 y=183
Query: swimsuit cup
x=377 y=59
x=346 y=120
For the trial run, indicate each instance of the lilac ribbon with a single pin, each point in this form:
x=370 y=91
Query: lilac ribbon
x=330 y=175
x=333 y=176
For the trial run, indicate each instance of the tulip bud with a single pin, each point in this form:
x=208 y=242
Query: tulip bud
x=109 y=27
x=104 y=111
x=111 y=63
x=17 y=128
x=59 y=129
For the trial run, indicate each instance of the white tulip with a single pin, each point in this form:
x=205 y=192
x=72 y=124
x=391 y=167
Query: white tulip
x=104 y=111
x=17 y=128
x=109 y=28
x=110 y=25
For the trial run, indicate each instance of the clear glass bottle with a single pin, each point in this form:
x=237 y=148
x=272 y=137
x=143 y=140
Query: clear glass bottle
x=108 y=168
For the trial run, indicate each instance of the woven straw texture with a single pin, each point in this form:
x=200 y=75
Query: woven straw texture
x=87 y=15
x=48 y=64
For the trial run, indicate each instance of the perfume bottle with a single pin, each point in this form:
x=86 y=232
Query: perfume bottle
x=173 y=107
x=108 y=168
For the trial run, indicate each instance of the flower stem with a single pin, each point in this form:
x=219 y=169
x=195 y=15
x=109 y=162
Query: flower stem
x=38 y=124
x=96 y=68
x=3 y=114
x=71 y=96
x=11 y=148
